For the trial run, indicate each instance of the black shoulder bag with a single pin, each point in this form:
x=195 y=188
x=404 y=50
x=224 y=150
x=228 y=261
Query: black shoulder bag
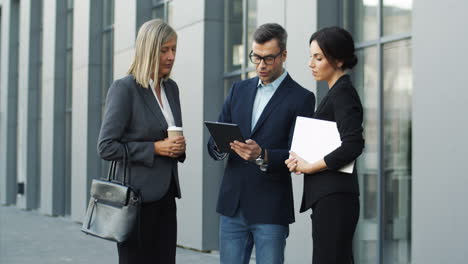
x=114 y=207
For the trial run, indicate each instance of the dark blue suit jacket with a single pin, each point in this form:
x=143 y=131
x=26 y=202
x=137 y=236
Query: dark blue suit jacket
x=264 y=197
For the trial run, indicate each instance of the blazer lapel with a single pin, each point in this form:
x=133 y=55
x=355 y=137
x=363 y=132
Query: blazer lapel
x=278 y=96
x=169 y=89
x=246 y=114
x=150 y=101
x=322 y=103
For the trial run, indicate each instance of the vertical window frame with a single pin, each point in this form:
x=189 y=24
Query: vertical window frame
x=379 y=42
x=107 y=59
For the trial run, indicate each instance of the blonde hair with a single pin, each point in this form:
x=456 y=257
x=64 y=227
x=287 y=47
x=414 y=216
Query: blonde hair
x=151 y=36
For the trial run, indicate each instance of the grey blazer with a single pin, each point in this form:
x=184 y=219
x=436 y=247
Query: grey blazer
x=133 y=116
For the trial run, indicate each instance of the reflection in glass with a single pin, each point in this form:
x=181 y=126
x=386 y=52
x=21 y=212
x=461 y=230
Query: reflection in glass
x=396 y=16
x=162 y=9
x=238 y=36
x=360 y=18
x=251 y=25
x=397 y=76
x=69 y=26
x=365 y=79
x=158 y=12
x=234 y=46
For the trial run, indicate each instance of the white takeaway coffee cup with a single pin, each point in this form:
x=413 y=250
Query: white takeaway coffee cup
x=174 y=131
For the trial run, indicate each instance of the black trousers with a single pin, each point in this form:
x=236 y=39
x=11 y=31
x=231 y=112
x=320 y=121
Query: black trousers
x=334 y=220
x=155 y=240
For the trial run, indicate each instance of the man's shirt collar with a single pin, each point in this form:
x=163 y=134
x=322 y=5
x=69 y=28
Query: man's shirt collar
x=276 y=83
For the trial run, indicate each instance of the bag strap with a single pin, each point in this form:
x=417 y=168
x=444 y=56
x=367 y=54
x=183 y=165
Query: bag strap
x=126 y=167
x=111 y=172
x=126 y=164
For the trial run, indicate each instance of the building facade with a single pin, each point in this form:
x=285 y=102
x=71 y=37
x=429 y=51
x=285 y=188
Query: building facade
x=58 y=58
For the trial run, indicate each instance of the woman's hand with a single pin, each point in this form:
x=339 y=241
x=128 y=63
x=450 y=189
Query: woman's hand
x=297 y=164
x=170 y=147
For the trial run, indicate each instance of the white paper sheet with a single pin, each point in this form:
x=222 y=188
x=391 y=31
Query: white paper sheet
x=313 y=139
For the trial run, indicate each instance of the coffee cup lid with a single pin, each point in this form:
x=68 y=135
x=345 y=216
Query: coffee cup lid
x=174 y=128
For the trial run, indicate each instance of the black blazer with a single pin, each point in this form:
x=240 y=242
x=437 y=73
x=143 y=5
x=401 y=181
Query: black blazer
x=133 y=116
x=343 y=106
x=264 y=197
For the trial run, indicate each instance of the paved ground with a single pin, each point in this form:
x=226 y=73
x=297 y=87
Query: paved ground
x=27 y=237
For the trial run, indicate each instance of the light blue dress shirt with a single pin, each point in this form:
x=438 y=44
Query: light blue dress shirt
x=264 y=94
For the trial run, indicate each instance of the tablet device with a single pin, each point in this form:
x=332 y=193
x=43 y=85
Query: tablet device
x=223 y=134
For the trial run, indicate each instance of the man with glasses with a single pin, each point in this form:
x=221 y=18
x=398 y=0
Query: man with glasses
x=255 y=198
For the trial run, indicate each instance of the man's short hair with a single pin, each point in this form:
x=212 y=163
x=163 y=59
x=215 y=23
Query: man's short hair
x=269 y=31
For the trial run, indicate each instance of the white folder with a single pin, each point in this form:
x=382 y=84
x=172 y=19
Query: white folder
x=313 y=139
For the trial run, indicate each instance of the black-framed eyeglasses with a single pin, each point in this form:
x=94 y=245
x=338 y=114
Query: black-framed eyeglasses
x=269 y=60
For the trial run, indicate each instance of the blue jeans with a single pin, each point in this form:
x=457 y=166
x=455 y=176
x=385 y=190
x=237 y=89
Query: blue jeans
x=237 y=238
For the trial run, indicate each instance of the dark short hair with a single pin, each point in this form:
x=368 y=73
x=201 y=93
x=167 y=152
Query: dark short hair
x=337 y=44
x=269 y=31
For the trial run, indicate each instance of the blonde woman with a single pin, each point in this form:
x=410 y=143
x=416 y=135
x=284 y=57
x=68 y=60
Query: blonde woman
x=139 y=109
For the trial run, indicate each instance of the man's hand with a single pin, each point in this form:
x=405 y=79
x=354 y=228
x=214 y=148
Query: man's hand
x=170 y=147
x=249 y=150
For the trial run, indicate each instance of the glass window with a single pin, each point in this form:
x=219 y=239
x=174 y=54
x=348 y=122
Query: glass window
x=234 y=49
x=383 y=78
x=251 y=26
x=360 y=18
x=162 y=9
x=366 y=83
x=396 y=16
x=158 y=11
x=107 y=47
x=240 y=23
x=397 y=86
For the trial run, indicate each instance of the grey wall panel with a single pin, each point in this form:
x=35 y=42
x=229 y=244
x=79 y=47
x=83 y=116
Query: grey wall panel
x=188 y=73
x=87 y=99
x=29 y=95
x=271 y=11
x=303 y=13
x=198 y=72
x=9 y=100
x=213 y=96
x=125 y=34
x=53 y=109
x=440 y=127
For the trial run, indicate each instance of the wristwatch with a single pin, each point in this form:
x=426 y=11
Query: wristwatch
x=260 y=161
